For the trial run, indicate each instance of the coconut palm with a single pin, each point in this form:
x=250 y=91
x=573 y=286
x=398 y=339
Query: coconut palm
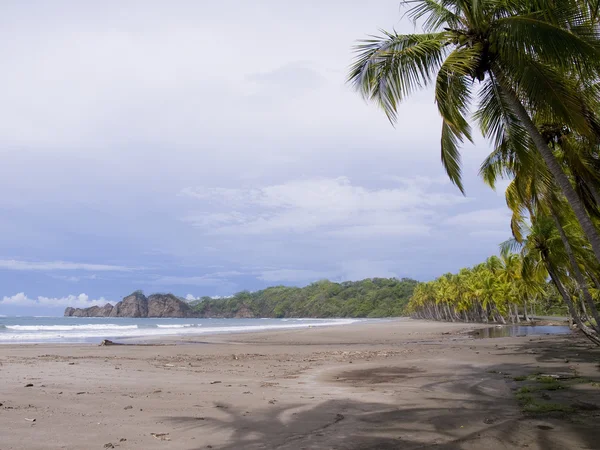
x=533 y=192
x=543 y=251
x=527 y=55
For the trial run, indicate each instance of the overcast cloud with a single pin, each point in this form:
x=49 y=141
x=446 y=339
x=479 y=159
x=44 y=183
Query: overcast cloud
x=208 y=147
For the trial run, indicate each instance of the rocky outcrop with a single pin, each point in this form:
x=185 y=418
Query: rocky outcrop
x=137 y=305
x=134 y=305
x=94 y=311
x=167 y=305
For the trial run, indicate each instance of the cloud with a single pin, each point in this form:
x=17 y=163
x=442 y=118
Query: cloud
x=73 y=278
x=334 y=205
x=291 y=275
x=362 y=268
x=291 y=79
x=211 y=279
x=78 y=301
x=12 y=264
x=495 y=235
x=498 y=217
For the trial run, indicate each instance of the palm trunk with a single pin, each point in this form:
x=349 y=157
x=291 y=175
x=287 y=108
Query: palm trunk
x=525 y=310
x=553 y=166
x=574 y=314
x=579 y=277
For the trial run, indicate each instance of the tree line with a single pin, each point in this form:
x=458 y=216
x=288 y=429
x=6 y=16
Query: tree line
x=527 y=72
x=376 y=297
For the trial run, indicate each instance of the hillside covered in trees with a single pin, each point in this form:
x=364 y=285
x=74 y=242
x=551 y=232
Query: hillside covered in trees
x=377 y=297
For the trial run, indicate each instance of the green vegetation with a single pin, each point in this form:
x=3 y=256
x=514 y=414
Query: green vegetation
x=377 y=297
x=533 y=66
x=533 y=397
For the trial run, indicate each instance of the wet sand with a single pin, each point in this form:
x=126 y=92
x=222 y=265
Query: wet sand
x=403 y=384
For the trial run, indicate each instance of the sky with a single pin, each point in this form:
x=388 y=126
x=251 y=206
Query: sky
x=204 y=148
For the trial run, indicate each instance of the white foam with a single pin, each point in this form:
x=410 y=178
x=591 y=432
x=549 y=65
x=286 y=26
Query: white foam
x=107 y=326
x=64 y=333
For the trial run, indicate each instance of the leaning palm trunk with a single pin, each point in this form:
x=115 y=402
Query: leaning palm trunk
x=588 y=332
x=579 y=277
x=560 y=178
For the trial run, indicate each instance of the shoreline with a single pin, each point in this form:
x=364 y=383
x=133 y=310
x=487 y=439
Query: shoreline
x=399 y=384
x=185 y=333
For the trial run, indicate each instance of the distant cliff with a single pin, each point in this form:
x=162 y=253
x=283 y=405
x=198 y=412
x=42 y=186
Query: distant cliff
x=372 y=297
x=138 y=305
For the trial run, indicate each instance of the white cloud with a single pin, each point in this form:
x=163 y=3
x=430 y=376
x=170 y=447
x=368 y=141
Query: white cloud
x=12 y=264
x=335 y=205
x=495 y=217
x=496 y=235
x=78 y=301
x=211 y=279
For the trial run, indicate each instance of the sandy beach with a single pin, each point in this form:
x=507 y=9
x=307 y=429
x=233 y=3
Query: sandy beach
x=402 y=384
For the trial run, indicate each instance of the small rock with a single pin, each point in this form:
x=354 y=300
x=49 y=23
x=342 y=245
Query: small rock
x=545 y=427
x=490 y=420
x=71 y=363
x=128 y=407
x=82 y=392
x=109 y=445
x=122 y=440
x=29 y=385
x=214 y=382
x=29 y=420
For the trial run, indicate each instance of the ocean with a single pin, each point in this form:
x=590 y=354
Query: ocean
x=26 y=330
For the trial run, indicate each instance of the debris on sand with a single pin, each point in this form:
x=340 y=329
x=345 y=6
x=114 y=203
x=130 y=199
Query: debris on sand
x=161 y=436
x=29 y=385
x=29 y=420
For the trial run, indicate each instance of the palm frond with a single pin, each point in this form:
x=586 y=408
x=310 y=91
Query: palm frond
x=520 y=36
x=437 y=14
x=390 y=67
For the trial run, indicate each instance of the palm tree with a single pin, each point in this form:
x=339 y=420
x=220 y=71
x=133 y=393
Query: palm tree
x=543 y=252
x=528 y=55
x=532 y=190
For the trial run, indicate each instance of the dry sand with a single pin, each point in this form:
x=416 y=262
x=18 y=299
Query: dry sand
x=403 y=384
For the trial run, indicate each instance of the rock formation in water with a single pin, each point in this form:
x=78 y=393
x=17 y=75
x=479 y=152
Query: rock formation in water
x=137 y=305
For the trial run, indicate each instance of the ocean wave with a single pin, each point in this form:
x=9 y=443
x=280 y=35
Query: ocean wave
x=89 y=332
x=107 y=326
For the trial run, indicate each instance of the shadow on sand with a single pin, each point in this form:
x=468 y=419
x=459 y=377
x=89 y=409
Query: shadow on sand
x=457 y=407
